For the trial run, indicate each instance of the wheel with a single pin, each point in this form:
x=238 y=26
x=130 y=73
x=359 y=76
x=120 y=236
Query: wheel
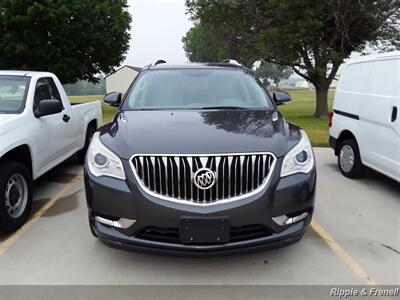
x=349 y=159
x=82 y=153
x=15 y=195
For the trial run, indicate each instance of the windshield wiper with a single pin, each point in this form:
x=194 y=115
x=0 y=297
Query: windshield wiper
x=224 y=107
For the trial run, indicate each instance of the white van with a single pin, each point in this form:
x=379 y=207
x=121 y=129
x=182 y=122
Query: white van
x=365 y=122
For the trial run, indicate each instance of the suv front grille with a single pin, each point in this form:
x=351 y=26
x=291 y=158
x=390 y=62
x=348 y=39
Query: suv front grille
x=170 y=177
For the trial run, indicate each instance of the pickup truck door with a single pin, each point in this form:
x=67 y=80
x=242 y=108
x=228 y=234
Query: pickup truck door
x=57 y=136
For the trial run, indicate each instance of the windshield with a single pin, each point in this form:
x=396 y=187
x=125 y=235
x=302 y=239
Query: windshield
x=12 y=93
x=196 y=89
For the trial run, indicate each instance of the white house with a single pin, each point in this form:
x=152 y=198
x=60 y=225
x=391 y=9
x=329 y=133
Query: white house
x=121 y=79
x=302 y=84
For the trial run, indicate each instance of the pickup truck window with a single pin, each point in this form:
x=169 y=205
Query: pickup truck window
x=45 y=90
x=13 y=90
x=196 y=89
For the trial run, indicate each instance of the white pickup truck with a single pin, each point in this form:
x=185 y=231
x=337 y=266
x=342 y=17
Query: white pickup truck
x=39 y=129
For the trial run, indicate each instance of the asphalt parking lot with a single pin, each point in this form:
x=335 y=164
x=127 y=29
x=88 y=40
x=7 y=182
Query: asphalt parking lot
x=354 y=239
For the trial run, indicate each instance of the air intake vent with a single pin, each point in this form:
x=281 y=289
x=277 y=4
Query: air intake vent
x=203 y=180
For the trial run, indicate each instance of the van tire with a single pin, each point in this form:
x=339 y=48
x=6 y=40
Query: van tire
x=22 y=183
x=82 y=153
x=349 y=159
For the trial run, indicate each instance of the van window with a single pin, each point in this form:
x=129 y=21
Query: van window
x=355 y=77
x=384 y=79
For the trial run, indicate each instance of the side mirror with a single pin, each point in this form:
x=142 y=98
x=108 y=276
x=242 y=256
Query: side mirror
x=48 y=107
x=281 y=98
x=113 y=99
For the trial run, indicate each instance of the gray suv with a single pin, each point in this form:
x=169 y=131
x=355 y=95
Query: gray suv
x=199 y=161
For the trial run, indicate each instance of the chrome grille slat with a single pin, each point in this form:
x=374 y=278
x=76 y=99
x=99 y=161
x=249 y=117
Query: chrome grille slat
x=164 y=160
x=170 y=177
x=177 y=162
x=241 y=174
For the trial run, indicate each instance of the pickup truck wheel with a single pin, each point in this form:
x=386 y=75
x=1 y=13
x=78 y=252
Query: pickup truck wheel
x=15 y=195
x=349 y=159
x=82 y=153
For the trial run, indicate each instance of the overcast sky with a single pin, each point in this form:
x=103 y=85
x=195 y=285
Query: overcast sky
x=157 y=29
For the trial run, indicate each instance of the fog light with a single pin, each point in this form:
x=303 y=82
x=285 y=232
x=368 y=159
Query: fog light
x=285 y=220
x=122 y=223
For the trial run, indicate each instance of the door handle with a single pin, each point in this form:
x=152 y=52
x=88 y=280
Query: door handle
x=66 y=118
x=394 y=114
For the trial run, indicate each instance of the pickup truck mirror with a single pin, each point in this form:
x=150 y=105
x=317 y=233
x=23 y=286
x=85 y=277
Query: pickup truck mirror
x=48 y=107
x=113 y=99
x=281 y=98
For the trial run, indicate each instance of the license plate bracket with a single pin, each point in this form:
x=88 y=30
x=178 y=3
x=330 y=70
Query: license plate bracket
x=204 y=230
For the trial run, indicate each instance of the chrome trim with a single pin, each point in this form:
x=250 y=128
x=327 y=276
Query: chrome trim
x=272 y=162
x=285 y=220
x=122 y=223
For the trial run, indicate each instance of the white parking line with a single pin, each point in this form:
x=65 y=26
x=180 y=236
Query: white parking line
x=341 y=253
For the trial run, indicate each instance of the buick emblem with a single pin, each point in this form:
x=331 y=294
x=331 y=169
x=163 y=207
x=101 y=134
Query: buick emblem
x=204 y=178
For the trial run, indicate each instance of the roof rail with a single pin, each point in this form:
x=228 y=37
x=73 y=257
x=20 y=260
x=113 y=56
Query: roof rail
x=160 y=61
x=232 y=62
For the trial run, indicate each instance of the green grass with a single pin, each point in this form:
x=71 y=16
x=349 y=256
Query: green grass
x=108 y=111
x=300 y=112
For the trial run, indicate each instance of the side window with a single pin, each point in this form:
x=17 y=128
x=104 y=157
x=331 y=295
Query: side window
x=45 y=90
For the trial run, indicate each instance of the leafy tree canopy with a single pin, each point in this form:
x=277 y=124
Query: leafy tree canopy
x=272 y=71
x=75 y=39
x=312 y=37
x=203 y=44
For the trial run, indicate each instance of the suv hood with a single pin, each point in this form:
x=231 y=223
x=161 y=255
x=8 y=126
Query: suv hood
x=199 y=132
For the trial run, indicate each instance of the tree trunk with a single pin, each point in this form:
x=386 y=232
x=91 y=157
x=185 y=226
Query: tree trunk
x=322 y=100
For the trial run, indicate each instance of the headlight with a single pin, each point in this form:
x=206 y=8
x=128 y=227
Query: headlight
x=300 y=159
x=102 y=161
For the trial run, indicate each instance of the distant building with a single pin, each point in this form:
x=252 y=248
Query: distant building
x=334 y=84
x=303 y=84
x=121 y=79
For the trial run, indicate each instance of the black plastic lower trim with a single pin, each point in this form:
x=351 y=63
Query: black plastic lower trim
x=346 y=114
x=333 y=143
x=223 y=252
x=115 y=239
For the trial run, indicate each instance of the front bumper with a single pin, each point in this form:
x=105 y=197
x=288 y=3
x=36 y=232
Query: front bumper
x=114 y=238
x=113 y=198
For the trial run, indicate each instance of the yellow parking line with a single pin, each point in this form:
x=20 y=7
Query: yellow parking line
x=36 y=216
x=341 y=253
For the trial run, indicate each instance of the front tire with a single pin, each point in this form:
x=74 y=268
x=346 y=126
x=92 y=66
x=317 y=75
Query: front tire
x=15 y=195
x=349 y=159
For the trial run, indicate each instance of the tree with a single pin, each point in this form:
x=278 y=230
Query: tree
x=312 y=37
x=197 y=45
x=75 y=39
x=204 y=44
x=272 y=71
